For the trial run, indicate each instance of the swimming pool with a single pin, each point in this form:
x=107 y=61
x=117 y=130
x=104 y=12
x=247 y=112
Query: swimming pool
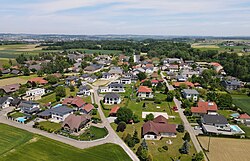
x=21 y=119
x=58 y=105
x=236 y=128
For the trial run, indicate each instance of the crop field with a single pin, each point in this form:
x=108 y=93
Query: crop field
x=207 y=46
x=242 y=101
x=17 y=144
x=226 y=149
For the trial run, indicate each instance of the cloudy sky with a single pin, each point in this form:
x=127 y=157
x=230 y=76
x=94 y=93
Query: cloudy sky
x=157 y=17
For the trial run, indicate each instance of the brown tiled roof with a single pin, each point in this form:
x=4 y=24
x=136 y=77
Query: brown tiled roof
x=157 y=128
x=10 y=88
x=38 y=80
x=75 y=121
x=160 y=119
x=88 y=107
x=203 y=107
x=177 y=84
x=76 y=101
x=114 y=110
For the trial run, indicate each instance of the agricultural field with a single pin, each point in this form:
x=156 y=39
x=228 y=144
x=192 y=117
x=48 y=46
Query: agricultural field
x=206 y=46
x=15 y=143
x=242 y=101
x=5 y=61
x=20 y=80
x=89 y=51
x=226 y=149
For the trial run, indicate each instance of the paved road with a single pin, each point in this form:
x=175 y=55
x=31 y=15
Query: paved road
x=115 y=138
x=187 y=125
x=111 y=138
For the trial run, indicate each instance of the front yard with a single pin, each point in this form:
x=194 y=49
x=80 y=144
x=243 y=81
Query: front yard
x=49 y=126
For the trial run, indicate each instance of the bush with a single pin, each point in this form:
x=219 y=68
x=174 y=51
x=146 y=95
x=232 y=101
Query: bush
x=186 y=137
x=149 y=117
x=157 y=101
x=121 y=126
x=136 y=118
x=165 y=147
x=180 y=128
x=94 y=112
x=96 y=105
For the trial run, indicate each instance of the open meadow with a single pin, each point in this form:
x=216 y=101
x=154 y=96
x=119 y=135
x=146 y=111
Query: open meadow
x=14 y=80
x=226 y=149
x=17 y=144
x=242 y=101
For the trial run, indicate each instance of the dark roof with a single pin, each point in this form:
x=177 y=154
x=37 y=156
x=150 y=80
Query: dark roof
x=16 y=102
x=85 y=75
x=157 y=128
x=27 y=104
x=10 y=88
x=115 y=85
x=160 y=119
x=3 y=99
x=75 y=121
x=15 y=71
x=214 y=119
x=112 y=95
x=6 y=71
x=83 y=88
x=69 y=78
x=61 y=110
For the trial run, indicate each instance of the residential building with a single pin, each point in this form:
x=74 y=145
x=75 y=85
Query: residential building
x=71 y=80
x=107 y=76
x=113 y=111
x=87 y=108
x=145 y=92
x=10 y=88
x=29 y=107
x=76 y=102
x=38 y=80
x=231 y=84
x=190 y=94
x=112 y=98
x=5 y=102
x=178 y=84
x=60 y=113
x=204 y=108
x=84 y=90
x=158 y=128
x=116 y=71
x=74 y=123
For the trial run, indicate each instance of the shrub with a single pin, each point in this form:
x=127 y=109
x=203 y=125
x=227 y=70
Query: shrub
x=165 y=147
x=180 y=128
x=94 y=112
x=149 y=117
x=121 y=126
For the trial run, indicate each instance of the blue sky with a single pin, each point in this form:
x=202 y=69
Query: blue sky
x=149 y=17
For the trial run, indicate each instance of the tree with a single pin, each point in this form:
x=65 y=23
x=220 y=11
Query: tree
x=135 y=137
x=186 y=104
x=180 y=128
x=136 y=118
x=147 y=83
x=144 y=144
x=40 y=73
x=21 y=59
x=129 y=141
x=72 y=88
x=198 y=156
x=52 y=79
x=10 y=62
x=124 y=114
x=121 y=126
x=149 y=117
x=60 y=91
x=1 y=73
x=185 y=148
x=187 y=137
x=141 y=76
x=170 y=96
x=224 y=100
x=26 y=71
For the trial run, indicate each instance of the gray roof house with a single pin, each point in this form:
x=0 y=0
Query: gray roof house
x=5 y=101
x=84 y=90
x=231 y=84
x=116 y=70
x=112 y=98
x=190 y=94
x=116 y=87
x=29 y=107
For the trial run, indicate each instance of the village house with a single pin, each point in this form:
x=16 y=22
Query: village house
x=112 y=98
x=173 y=68
x=244 y=119
x=145 y=92
x=60 y=113
x=178 y=84
x=38 y=80
x=84 y=90
x=76 y=102
x=204 y=108
x=91 y=79
x=190 y=94
x=93 y=68
x=125 y=80
x=29 y=107
x=107 y=76
x=5 y=102
x=216 y=66
x=158 y=128
x=231 y=84
x=34 y=94
x=112 y=87
x=71 y=80
x=113 y=111
x=87 y=108
x=172 y=61
x=116 y=71
x=74 y=123
x=8 y=89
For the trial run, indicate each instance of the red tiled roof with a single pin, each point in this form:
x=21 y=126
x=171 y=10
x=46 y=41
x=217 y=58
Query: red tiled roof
x=38 y=80
x=154 y=81
x=203 y=107
x=144 y=89
x=177 y=84
x=244 y=116
x=160 y=119
x=149 y=65
x=88 y=107
x=215 y=64
x=114 y=110
x=76 y=101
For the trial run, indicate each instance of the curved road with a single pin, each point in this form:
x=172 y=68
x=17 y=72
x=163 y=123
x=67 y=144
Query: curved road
x=111 y=138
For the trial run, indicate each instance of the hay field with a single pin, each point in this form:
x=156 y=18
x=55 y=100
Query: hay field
x=226 y=149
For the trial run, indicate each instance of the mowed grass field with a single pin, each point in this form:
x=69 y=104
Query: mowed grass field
x=226 y=149
x=5 y=61
x=242 y=101
x=20 y=145
x=19 y=80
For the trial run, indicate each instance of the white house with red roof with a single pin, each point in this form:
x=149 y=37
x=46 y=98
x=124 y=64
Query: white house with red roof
x=217 y=67
x=204 y=108
x=244 y=118
x=145 y=92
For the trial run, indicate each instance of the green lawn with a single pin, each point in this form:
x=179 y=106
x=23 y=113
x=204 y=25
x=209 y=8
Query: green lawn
x=48 y=98
x=242 y=101
x=87 y=99
x=246 y=129
x=50 y=125
x=6 y=61
x=94 y=133
x=17 y=114
x=17 y=144
x=226 y=113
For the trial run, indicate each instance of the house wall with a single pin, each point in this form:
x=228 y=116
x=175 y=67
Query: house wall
x=6 y=104
x=35 y=92
x=59 y=117
x=151 y=137
x=145 y=95
x=168 y=134
x=189 y=96
x=112 y=101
